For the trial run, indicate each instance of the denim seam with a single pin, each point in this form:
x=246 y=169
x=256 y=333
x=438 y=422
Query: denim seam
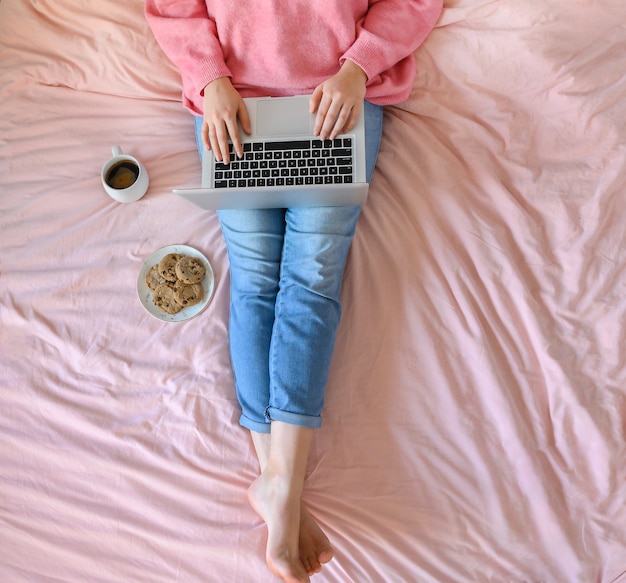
x=278 y=309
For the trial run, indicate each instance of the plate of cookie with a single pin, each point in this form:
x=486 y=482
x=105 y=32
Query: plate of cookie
x=175 y=283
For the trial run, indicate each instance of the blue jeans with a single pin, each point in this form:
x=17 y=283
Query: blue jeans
x=286 y=269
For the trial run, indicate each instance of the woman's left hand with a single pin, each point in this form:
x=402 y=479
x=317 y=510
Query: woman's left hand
x=338 y=101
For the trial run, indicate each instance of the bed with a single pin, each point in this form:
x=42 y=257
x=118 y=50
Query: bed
x=475 y=420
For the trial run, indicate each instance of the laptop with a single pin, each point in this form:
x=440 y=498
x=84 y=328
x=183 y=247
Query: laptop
x=284 y=164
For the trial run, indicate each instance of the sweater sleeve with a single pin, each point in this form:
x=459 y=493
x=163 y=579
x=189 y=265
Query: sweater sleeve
x=391 y=31
x=188 y=36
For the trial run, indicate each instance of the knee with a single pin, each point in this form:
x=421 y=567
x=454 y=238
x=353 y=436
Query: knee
x=254 y=277
x=317 y=268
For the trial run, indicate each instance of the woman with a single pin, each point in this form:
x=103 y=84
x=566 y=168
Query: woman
x=287 y=264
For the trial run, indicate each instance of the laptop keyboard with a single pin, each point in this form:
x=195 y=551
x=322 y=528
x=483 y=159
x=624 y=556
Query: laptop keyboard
x=288 y=163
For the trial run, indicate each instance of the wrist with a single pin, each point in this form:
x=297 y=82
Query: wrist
x=352 y=68
x=216 y=83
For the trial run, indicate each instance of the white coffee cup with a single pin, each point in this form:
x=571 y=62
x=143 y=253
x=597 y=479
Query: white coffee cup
x=124 y=178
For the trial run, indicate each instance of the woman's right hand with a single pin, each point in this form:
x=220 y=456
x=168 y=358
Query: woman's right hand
x=223 y=106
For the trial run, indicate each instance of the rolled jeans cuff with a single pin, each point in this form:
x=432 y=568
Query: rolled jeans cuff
x=255 y=426
x=308 y=421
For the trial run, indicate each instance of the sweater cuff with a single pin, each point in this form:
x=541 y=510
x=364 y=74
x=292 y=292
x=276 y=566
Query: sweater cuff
x=208 y=70
x=367 y=56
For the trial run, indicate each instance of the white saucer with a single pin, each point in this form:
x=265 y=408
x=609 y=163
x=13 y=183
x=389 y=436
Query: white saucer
x=145 y=295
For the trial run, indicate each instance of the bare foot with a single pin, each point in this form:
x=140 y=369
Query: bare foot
x=278 y=505
x=315 y=547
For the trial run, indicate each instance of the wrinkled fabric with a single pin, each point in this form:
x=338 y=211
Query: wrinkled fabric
x=475 y=411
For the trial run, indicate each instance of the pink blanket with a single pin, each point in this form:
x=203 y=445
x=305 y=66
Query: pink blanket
x=476 y=413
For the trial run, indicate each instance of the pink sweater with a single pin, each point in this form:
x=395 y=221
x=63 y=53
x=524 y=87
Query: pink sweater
x=288 y=47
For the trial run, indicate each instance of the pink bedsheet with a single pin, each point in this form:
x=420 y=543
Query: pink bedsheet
x=476 y=413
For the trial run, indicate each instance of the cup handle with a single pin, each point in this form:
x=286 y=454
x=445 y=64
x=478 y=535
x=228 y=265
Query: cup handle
x=117 y=151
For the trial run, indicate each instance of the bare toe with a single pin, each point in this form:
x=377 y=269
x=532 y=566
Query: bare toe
x=281 y=513
x=315 y=548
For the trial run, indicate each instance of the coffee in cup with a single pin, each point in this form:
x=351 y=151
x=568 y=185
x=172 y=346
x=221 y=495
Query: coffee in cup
x=123 y=177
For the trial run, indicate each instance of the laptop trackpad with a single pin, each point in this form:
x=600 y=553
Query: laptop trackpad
x=283 y=117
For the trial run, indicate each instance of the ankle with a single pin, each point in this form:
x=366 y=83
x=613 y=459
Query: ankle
x=281 y=480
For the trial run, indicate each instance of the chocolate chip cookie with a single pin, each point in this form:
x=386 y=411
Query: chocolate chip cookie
x=167 y=266
x=190 y=270
x=164 y=298
x=188 y=294
x=153 y=278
